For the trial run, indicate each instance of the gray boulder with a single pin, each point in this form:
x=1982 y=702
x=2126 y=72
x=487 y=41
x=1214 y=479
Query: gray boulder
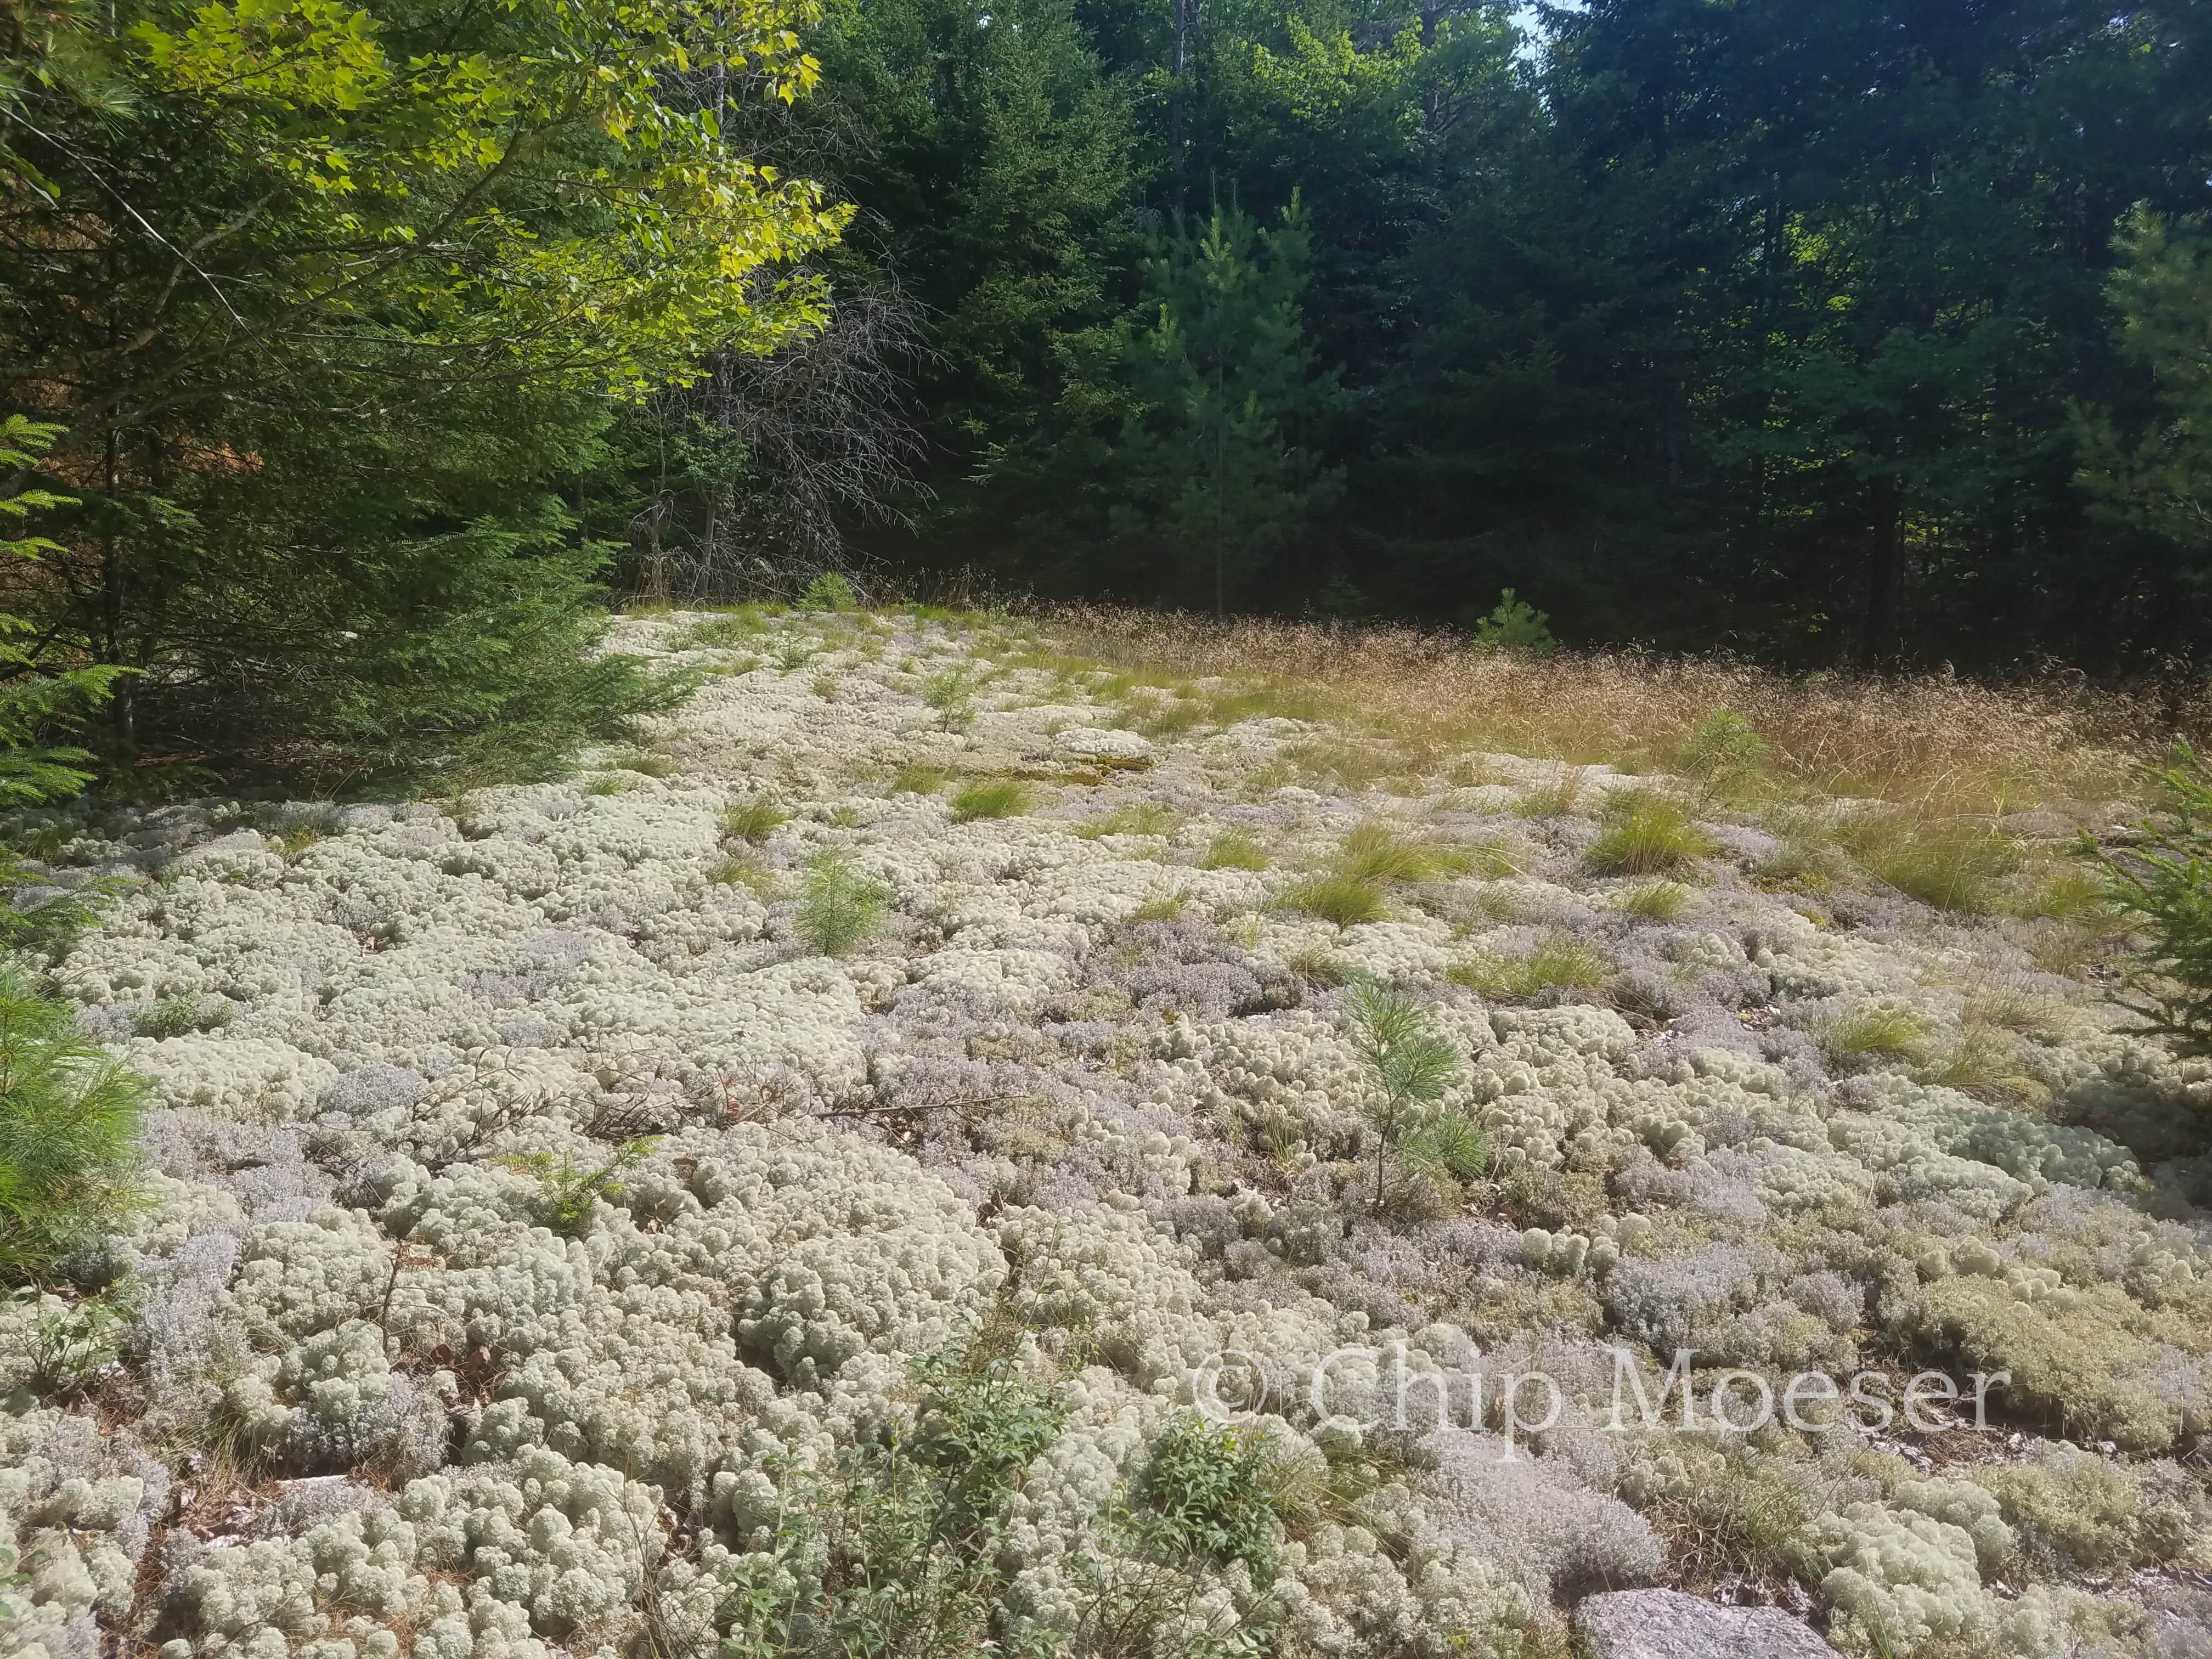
x=1658 y=1624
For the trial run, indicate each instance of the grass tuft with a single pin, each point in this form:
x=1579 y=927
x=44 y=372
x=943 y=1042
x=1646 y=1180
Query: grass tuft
x=1654 y=901
x=1344 y=900
x=1952 y=864
x=990 y=797
x=754 y=822
x=1645 y=834
x=1557 y=960
x=1234 y=849
x=920 y=778
x=1875 y=1033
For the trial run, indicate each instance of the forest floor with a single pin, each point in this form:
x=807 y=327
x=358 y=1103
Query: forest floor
x=976 y=1034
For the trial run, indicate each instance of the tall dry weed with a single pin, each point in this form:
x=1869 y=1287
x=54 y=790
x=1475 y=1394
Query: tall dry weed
x=1943 y=745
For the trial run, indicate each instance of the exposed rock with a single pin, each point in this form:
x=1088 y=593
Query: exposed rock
x=1658 y=1624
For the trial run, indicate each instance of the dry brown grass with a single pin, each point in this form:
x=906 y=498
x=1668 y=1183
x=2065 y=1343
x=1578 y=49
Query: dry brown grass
x=1943 y=744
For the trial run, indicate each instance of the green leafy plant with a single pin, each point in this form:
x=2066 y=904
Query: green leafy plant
x=68 y=1130
x=181 y=1015
x=1408 y=1066
x=828 y=592
x=842 y=908
x=74 y=1348
x=990 y=797
x=897 y=1548
x=2163 y=886
x=572 y=1190
x=37 y=916
x=1517 y=626
x=1645 y=833
x=1205 y=1491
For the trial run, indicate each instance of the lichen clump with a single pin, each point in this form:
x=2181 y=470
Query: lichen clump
x=584 y=1222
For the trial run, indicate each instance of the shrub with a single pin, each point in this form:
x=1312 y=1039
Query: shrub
x=1645 y=834
x=69 y=1129
x=951 y=696
x=1233 y=849
x=571 y=1189
x=898 y=1547
x=841 y=907
x=1408 y=1064
x=1340 y=899
x=990 y=797
x=719 y=633
x=1725 y=749
x=1205 y=1491
x=755 y=821
x=828 y=592
x=2163 y=886
x=1517 y=627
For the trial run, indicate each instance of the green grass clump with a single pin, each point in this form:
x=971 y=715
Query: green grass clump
x=1343 y=900
x=2075 y=896
x=1148 y=818
x=842 y=907
x=1655 y=901
x=1234 y=849
x=1952 y=864
x=921 y=778
x=1875 y=1033
x=68 y=1131
x=1985 y=1064
x=1645 y=834
x=1373 y=852
x=1553 y=800
x=651 y=766
x=610 y=783
x=990 y=797
x=1557 y=960
x=753 y=822
x=718 y=633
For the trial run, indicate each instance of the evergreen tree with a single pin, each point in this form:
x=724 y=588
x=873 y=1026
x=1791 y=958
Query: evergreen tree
x=1211 y=475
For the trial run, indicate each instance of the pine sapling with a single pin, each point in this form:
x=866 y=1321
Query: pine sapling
x=1409 y=1065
